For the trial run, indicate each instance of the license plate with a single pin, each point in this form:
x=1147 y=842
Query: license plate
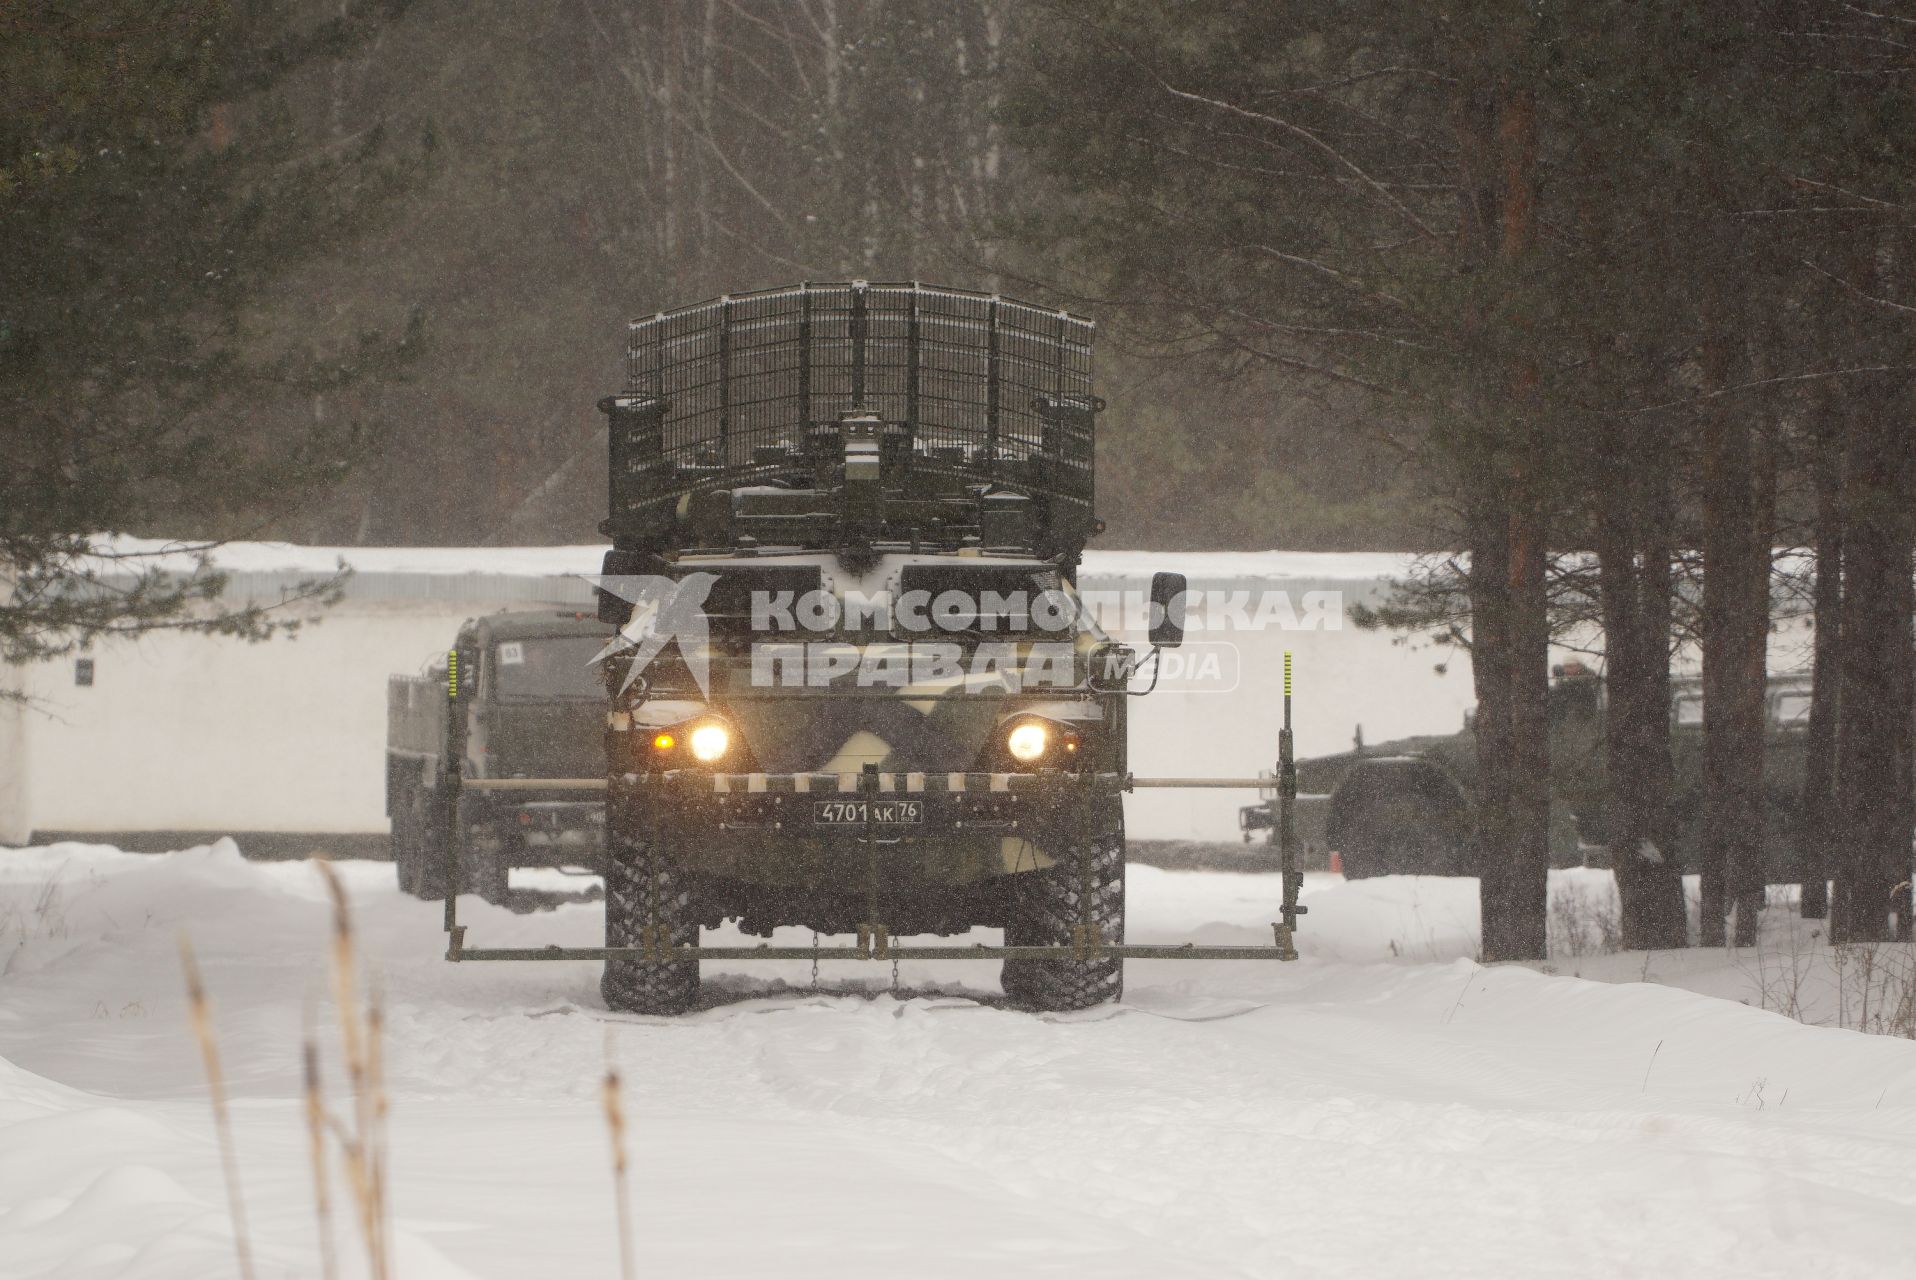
x=851 y=813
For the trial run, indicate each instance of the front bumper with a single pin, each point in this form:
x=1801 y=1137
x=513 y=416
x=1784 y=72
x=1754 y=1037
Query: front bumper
x=541 y=833
x=766 y=829
x=560 y=825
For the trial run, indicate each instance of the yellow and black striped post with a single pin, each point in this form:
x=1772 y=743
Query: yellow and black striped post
x=452 y=773
x=1287 y=817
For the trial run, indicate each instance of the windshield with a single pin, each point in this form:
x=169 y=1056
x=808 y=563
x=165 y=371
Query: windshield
x=547 y=667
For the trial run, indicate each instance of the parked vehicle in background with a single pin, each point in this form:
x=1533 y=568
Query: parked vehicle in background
x=537 y=710
x=1403 y=807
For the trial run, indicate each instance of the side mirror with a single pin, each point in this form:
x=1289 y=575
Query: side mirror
x=1167 y=610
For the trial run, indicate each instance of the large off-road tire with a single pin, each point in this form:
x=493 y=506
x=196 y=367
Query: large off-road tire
x=1361 y=861
x=1405 y=849
x=484 y=866
x=642 y=888
x=404 y=837
x=420 y=852
x=1086 y=885
x=1399 y=817
x=419 y=849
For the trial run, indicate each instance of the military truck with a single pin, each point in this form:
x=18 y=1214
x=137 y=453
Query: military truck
x=856 y=691
x=1402 y=807
x=535 y=708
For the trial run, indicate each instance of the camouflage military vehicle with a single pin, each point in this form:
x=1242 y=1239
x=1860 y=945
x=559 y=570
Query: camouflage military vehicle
x=1402 y=807
x=535 y=708
x=855 y=692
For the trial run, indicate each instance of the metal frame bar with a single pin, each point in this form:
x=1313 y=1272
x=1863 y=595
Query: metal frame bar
x=911 y=367
x=725 y=382
x=455 y=773
x=879 y=948
x=857 y=325
x=991 y=387
x=599 y=784
x=805 y=357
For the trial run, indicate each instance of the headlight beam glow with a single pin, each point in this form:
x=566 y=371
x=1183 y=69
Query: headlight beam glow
x=710 y=742
x=1028 y=742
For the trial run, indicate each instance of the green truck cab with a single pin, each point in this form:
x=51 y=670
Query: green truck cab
x=533 y=708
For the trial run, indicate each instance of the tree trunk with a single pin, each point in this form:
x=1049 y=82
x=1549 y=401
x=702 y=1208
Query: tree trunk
x=1819 y=805
x=1509 y=639
x=1735 y=635
x=1633 y=555
x=1508 y=534
x=1516 y=930
x=1879 y=683
x=1490 y=657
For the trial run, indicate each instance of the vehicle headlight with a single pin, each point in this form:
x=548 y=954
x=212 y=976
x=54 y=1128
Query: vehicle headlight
x=1028 y=741
x=710 y=742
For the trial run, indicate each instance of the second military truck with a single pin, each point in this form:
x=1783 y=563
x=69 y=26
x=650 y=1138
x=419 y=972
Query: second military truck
x=1403 y=807
x=535 y=708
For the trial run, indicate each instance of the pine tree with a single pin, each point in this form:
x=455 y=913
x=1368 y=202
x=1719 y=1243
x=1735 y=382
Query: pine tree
x=1515 y=229
x=151 y=193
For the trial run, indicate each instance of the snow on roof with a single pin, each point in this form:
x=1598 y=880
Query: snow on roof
x=1311 y=566
x=289 y=557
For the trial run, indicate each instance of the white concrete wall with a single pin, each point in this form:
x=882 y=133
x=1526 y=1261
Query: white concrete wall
x=201 y=734
x=1341 y=679
x=14 y=823
x=194 y=733
x=207 y=734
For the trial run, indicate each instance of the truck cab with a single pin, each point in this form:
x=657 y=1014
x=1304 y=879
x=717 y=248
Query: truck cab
x=534 y=708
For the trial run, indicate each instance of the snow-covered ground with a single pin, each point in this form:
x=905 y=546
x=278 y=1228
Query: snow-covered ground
x=1383 y=1107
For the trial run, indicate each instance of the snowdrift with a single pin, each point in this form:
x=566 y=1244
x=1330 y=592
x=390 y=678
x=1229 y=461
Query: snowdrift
x=1385 y=1106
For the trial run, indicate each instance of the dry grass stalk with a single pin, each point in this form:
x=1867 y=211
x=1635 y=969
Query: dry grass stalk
x=201 y=1016
x=376 y=1081
x=316 y=1140
x=614 y=1101
x=363 y=1148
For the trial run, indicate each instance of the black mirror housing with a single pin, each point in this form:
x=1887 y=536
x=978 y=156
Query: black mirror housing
x=1168 y=592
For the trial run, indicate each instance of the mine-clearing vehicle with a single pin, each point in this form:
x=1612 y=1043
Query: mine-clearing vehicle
x=851 y=684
